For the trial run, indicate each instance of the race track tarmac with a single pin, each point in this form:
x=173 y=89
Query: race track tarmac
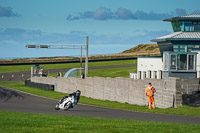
x=13 y=100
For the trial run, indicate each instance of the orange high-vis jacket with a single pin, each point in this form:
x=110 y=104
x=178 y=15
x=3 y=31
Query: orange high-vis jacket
x=150 y=90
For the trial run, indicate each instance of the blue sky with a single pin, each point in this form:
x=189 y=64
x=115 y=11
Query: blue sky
x=120 y=23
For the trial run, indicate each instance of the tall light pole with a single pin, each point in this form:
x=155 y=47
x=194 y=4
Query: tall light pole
x=68 y=47
x=86 y=58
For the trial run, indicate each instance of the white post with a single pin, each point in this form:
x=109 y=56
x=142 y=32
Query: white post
x=31 y=71
x=81 y=62
x=159 y=74
x=153 y=74
x=148 y=74
x=135 y=76
x=198 y=74
x=142 y=74
x=131 y=75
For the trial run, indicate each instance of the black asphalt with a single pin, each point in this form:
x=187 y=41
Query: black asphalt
x=13 y=100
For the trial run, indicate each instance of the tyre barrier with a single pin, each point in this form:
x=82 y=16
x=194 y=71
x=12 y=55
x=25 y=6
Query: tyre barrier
x=191 y=99
x=39 y=85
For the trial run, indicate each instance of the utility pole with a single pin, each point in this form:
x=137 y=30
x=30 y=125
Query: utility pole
x=68 y=47
x=81 y=61
x=86 y=58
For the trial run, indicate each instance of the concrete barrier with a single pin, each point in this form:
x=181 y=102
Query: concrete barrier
x=125 y=90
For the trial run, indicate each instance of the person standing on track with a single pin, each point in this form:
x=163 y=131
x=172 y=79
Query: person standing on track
x=150 y=90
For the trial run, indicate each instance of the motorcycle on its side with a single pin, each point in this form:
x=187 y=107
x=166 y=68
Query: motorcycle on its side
x=68 y=102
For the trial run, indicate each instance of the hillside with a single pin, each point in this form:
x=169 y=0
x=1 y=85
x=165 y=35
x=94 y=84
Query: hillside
x=137 y=51
x=142 y=50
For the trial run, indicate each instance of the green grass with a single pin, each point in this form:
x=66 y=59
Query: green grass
x=184 y=110
x=112 y=72
x=15 y=68
x=109 y=72
x=38 y=123
x=20 y=68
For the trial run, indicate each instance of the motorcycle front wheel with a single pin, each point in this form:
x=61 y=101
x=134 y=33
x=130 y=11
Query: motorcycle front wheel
x=57 y=107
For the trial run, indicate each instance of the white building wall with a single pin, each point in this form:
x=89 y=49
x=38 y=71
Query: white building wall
x=149 y=63
x=152 y=66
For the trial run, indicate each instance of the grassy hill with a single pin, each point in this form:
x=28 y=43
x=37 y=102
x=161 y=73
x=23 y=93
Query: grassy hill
x=137 y=51
x=142 y=50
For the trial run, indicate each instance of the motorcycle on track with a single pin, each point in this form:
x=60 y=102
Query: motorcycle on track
x=68 y=102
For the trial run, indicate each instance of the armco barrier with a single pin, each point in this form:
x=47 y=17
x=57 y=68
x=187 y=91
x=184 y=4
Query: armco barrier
x=39 y=85
x=168 y=91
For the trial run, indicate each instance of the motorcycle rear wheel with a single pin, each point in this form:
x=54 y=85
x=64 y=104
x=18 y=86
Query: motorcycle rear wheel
x=67 y=106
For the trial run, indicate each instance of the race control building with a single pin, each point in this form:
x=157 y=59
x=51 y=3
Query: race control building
x=180 y=51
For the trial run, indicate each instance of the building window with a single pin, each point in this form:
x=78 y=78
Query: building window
x=189 y=28
x=179 y=61
x=173 y=62
x=180 y=48
x=190 y=47
x=186 y=26
x=196 y=46
x=191 y=62
x=196 y=26
x=183 y=48
x=182 y=62
x=194 y=23
x=176 y=26
x=176 y=48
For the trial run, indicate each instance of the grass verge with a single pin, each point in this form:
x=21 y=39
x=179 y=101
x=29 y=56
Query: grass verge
x=20 y=68
x=184 y=110
x=27 y=122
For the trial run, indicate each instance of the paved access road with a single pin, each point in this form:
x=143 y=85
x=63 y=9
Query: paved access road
x=13 y=100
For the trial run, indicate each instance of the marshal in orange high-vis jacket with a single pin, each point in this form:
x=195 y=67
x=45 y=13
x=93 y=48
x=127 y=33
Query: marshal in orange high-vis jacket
x=150 y=90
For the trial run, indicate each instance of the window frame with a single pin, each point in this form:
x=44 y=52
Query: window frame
x=170 y=67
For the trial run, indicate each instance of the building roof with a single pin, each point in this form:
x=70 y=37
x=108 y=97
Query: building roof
x=191 y=17
x=179 y=36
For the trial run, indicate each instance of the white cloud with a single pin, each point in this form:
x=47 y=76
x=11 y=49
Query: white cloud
x=104 y=13
x=22 y=36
